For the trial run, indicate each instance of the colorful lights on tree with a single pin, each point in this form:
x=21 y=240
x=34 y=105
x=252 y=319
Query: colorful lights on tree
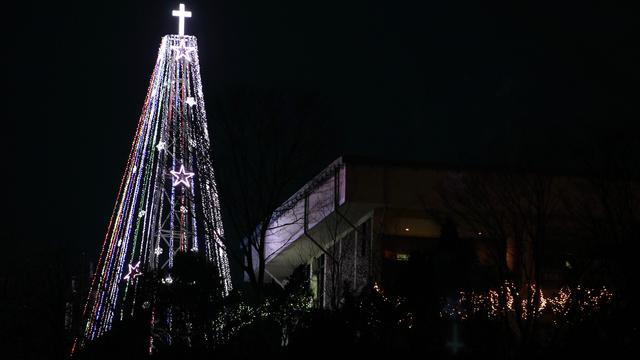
x=160 y=211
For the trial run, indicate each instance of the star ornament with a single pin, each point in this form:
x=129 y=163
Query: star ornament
x=158 y=251
x=134 y=271
x=182 y=177
x=182 y=51
x=190 y=101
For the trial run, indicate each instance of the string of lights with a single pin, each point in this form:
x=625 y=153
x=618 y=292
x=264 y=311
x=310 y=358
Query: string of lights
x=167 y=201
x=495 y=303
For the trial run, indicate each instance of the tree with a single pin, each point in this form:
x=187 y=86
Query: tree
x=606 y=206
x=193 y=297
x=275 y=138
x=512 y=215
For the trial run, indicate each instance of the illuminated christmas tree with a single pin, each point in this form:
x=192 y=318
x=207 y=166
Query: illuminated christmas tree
x=167 y=201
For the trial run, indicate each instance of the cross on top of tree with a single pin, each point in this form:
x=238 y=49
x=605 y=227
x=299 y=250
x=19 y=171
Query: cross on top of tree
x=181 y=14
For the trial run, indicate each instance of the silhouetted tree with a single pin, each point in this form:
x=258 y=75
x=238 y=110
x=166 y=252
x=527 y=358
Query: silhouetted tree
x=275 y=138
x=511 y=213
x=192 y=294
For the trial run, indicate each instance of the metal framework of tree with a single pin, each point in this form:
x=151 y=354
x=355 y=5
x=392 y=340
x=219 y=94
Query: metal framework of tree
x=168 y=200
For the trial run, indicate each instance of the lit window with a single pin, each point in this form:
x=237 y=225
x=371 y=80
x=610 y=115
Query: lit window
x=402 y=257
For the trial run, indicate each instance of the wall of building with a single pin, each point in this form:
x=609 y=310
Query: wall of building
x=345 y=267
x=405 y=215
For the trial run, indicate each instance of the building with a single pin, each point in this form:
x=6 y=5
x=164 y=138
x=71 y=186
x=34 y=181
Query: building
x=361 y=222
x=355 y=223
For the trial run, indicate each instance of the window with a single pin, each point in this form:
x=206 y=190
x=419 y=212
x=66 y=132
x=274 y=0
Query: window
x=320 y=273
x=364 y=236
x=402 y=257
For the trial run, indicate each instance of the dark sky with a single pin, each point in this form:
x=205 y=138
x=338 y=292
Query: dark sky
x=445 y=81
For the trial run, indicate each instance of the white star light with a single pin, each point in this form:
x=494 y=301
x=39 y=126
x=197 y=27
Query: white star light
x=161 y=145
x=183 y=50
x=190 y=101
x=134 y=271
x=158 y=251
x=182 y=177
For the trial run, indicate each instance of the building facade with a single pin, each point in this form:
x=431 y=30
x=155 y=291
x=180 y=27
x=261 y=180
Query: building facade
x=362 y=222
x=356 y=223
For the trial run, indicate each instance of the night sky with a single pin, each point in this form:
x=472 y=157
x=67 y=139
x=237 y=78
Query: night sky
x=439 y=81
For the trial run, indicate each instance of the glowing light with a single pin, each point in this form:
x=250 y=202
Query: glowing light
x=148 y=201
x=182 y=177
x=183 y=51
x=455 y=344
x=168 y=280
x=134 y=271
x=402 y=257
x=406 y=229
x=181 y=14
x=497 y=302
